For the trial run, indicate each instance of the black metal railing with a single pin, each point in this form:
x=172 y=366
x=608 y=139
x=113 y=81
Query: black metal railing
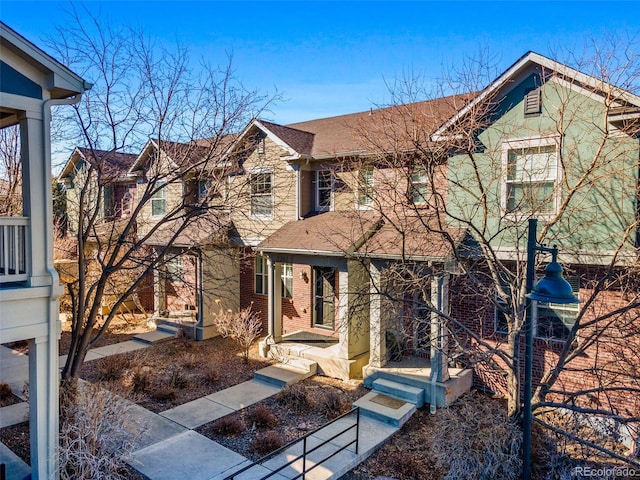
x=305 y=452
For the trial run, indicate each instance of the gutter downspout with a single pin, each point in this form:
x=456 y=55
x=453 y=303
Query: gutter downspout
x=54 y=323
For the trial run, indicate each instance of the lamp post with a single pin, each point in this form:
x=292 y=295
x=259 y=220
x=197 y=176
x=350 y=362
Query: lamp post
x=552 y=288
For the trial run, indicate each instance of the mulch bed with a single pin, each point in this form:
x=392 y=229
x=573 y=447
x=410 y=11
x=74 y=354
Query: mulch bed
x=171 y=373
x=293 y=419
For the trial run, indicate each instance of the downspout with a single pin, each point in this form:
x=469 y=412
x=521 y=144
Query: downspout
x=54 y=295
x=437 y=351
x=199 y=333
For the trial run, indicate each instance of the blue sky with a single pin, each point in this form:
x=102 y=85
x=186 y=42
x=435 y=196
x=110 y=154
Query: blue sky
x=329 y=58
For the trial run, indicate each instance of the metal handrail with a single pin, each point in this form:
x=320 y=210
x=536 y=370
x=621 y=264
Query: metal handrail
x=305 y=452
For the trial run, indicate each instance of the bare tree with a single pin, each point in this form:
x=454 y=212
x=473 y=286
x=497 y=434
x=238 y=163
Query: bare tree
x=474 y=176
x=141 y=92
x=10 y=172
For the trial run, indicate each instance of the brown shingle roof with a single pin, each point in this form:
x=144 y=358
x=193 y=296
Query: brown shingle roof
x=114 y=164
x=343 y=134
x=300 y=141
x=365 y=233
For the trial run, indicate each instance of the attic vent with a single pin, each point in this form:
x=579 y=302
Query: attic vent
x=261 y=146
x=533 y=102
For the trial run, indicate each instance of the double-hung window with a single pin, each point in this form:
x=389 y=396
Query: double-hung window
x=175 y=269
x=365 y=188
x=287 y=280
x=531 y=176
x=159 y=200
x=419 y=187
x=261 y=275
x=324 y=190
x=261 y=194
x=203 y=190
x=107 y=191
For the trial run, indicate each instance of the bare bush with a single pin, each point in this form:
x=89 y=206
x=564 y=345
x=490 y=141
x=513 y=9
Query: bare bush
x=330 y=403
x=262 y=417
x=295 y=397
x=267 y=442
x=211 y=374
x=243 y=327
x=476 y=440
x=113 y=367
x=97 y=433
x=228 y=426
x=5 y=391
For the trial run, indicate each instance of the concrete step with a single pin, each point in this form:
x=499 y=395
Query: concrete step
x=281 y=375
x=153 y=337
x=299 y=363
x=386 y=409
x=172 y=329
x=399 y=390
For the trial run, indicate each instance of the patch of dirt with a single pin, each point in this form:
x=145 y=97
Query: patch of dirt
x=327 y=398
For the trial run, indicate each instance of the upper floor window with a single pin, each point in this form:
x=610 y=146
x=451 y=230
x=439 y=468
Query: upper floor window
x=261 y=194
x=159 y=200
x=107 y=194
x=324 y=190
x=419 y=187
x=287 y=280
x=531 y=176
x=261 y=275
x=365 y=187
x=203 y=190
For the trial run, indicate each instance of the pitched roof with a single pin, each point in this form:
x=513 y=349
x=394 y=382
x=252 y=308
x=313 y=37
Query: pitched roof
x=343 y=135
x=365 y=233
x=114 y=165
x=206 y=229
x=623 y=98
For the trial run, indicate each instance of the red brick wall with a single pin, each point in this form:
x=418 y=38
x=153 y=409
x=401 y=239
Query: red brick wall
x=616 y=352
x=297 y=312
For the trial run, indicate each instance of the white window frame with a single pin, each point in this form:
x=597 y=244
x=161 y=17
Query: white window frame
x=175 y=269
x=365 y=188
x=554 y=175
x=160 y=196
x=263 y=195
x=331 y=173
x=287 y=280
x=414 y=185
x=260 y=275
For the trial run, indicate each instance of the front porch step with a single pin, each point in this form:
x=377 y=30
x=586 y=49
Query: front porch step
x=153 y=337
x=281 y=374
x=398 y=390
x=385 y=409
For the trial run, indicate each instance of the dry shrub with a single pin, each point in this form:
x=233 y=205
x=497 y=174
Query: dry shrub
x=474 y=439
x=243 y=327
x=295 y=398
x=113 y=367
x=176 y=377
x=330 y=403
x=262 y=417
x=211 y=374
x=189 y=360
x=97 y=433
x=164 y=393
x=141 y=380
x=5 y=391
x=228 y=426
x=267 y=442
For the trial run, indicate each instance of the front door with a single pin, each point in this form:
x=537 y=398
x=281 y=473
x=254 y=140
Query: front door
x=324 y=297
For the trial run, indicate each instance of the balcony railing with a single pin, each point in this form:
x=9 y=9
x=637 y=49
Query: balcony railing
x=13 y=249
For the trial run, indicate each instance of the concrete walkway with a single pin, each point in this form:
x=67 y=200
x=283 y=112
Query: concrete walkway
x=168 y=448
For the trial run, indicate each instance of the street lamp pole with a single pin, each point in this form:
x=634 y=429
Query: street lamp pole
x=552 y=288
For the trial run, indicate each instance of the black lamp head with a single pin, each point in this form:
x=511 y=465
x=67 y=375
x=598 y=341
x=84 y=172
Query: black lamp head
x=553 y=288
